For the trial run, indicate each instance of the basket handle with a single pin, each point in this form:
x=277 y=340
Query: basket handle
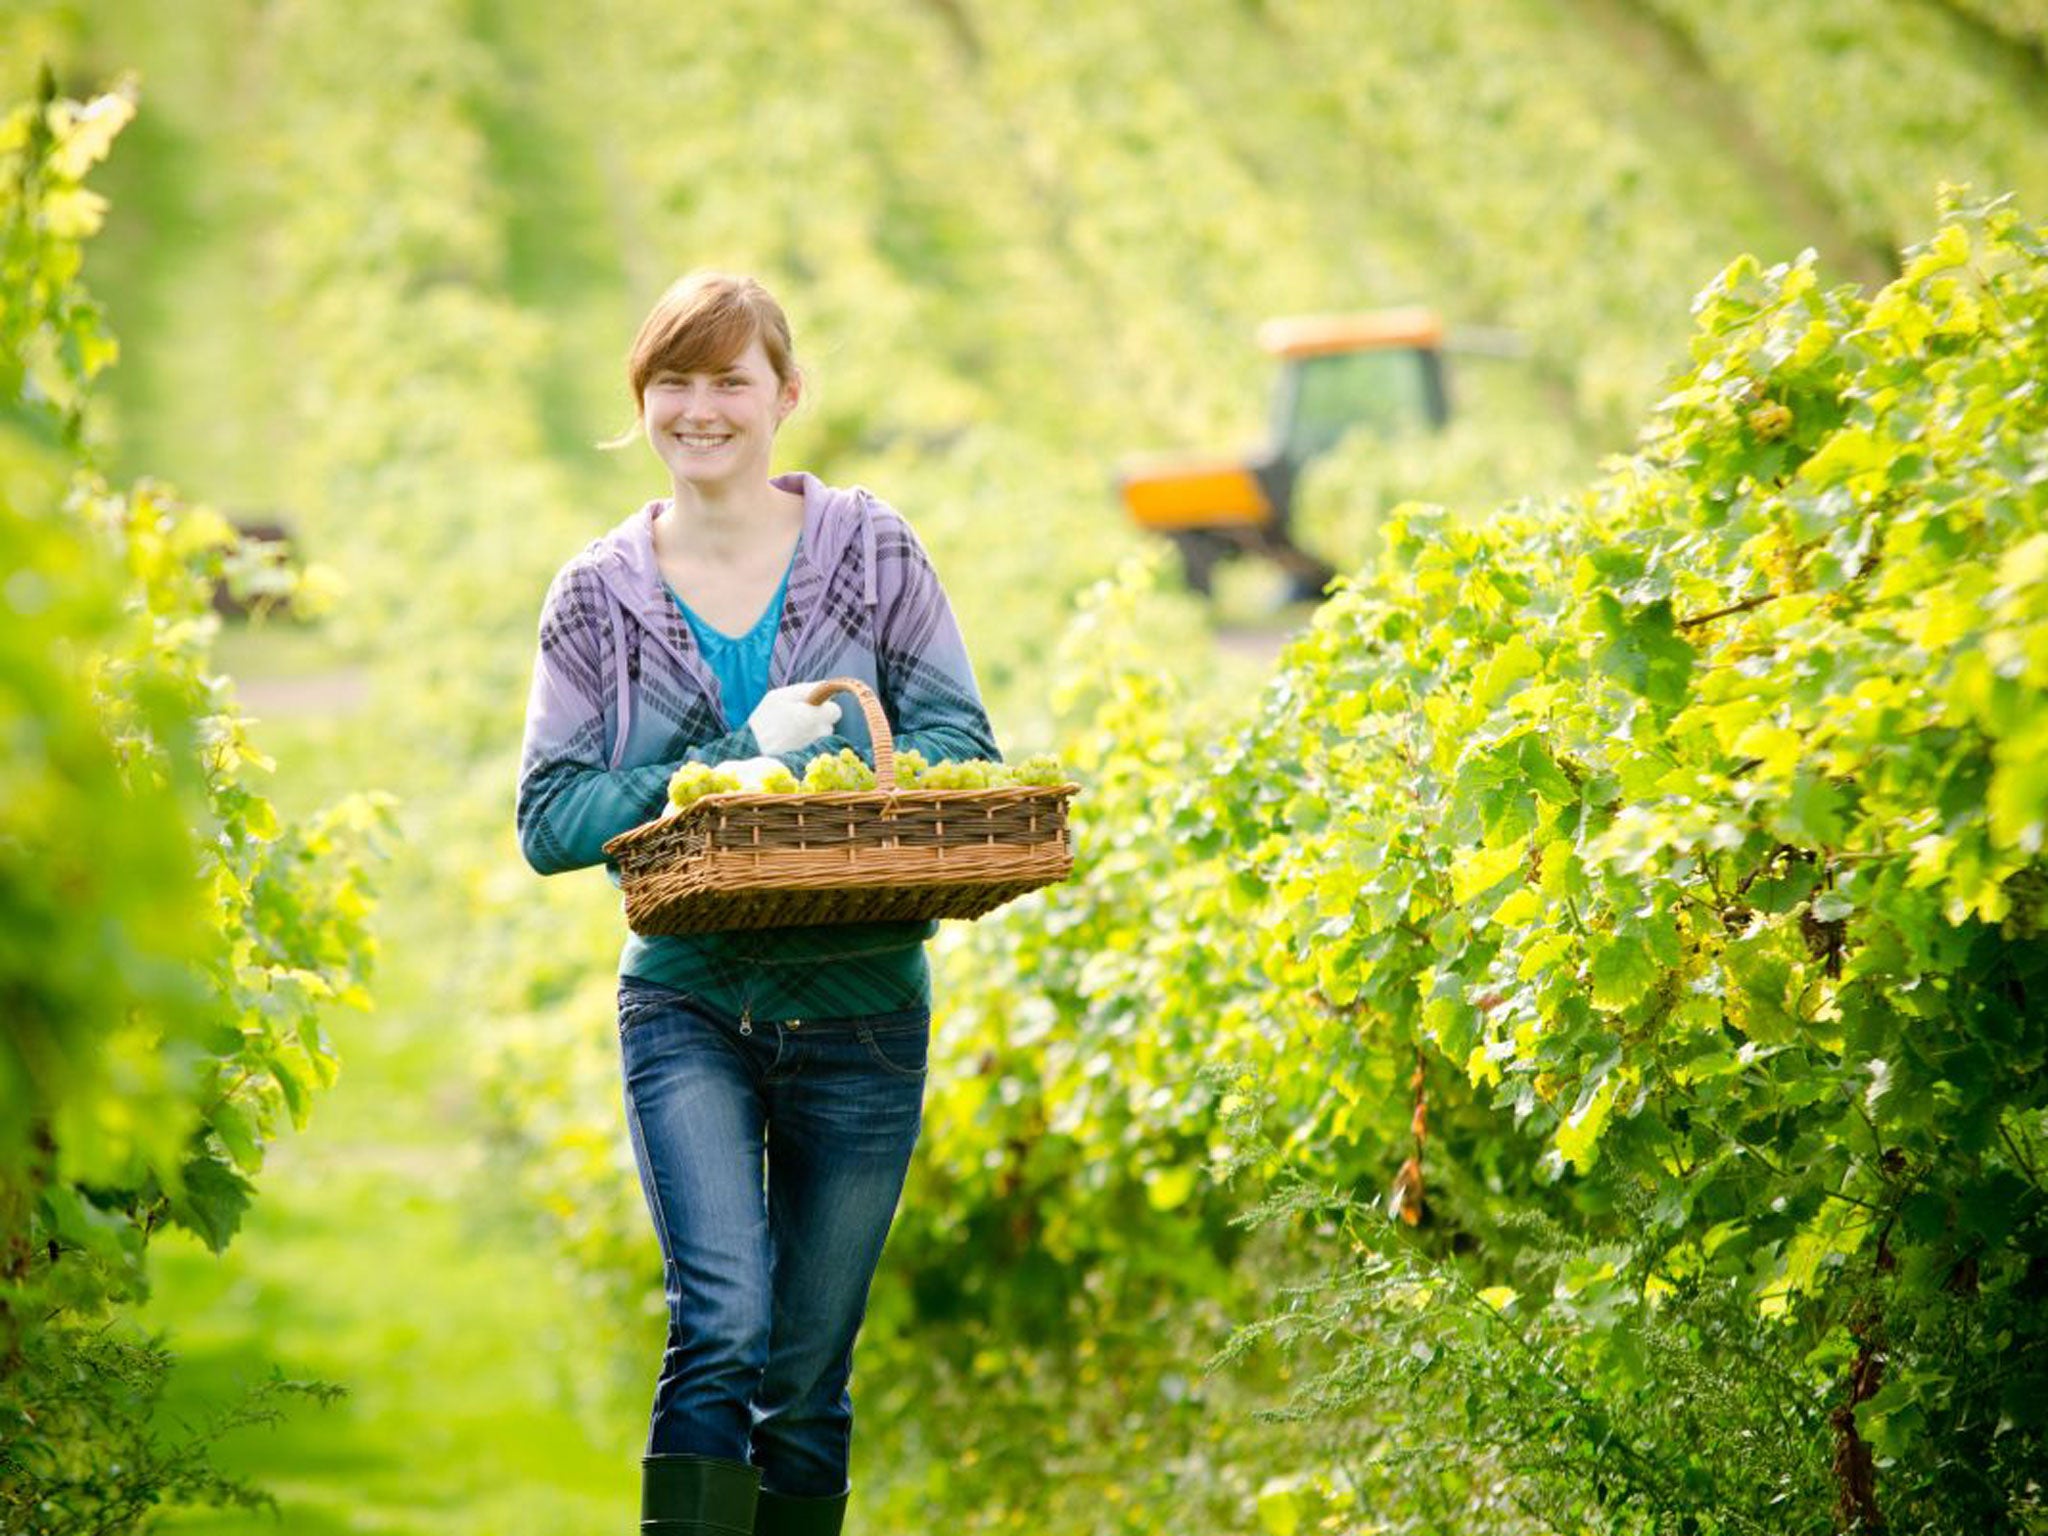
x=878 y=724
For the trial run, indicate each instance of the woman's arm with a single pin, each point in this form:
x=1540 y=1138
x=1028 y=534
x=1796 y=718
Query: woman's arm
x=568 y=813
x=570 y=802
x=927 y=681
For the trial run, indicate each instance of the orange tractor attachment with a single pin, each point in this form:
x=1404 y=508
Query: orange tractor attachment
x=1382 y=372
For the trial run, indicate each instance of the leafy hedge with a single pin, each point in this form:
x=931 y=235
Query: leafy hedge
x=169 y=945
x=1700 y=825
x=1646 y=893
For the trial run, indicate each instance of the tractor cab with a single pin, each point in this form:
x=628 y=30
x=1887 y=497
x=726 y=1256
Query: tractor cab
x=1381 y=372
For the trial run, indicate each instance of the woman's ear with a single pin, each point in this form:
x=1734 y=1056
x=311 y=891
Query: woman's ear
x=792 y=392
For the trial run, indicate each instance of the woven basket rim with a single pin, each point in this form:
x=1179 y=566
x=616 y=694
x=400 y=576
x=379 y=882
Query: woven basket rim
x=746 y=798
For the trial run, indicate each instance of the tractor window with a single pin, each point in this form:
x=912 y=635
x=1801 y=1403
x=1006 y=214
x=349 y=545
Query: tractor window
x=1388 y=391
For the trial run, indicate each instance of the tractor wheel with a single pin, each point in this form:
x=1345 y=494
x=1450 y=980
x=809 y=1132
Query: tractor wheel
x=1201 y=551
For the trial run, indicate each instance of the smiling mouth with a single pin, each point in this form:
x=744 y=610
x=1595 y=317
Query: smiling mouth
x=702 y=440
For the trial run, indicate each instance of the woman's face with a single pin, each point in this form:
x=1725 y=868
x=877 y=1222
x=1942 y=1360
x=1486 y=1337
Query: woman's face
x=715 y=428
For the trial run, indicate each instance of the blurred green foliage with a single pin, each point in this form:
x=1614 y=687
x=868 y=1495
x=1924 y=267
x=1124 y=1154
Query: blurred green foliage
x=168 y=943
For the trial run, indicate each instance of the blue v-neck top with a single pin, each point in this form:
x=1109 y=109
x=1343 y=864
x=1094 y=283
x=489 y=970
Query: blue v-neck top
x=740 y=662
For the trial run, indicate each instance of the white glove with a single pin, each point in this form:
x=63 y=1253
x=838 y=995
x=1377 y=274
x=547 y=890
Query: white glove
x=783 y=722
x=751 y=771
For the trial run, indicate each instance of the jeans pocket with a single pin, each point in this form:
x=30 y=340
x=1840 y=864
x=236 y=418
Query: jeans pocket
x=640 y=1001
x=900 y=1044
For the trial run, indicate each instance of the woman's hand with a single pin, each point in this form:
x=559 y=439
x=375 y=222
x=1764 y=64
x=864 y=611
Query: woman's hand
x=784 y=722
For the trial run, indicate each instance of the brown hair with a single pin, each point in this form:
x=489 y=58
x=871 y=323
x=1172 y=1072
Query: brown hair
x=705 y=320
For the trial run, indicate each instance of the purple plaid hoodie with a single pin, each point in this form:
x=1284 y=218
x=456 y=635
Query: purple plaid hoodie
x=621 y=696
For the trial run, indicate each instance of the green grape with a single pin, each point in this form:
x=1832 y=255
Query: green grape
x=840 y=772
x=779 y=781
x=1769 y=421
x=689 y=783
x=969 y=773
x=910 y=769
x=1042 y=768
x=693 y=781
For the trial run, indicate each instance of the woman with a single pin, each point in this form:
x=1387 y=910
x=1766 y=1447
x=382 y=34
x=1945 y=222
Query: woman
x=774 y=1080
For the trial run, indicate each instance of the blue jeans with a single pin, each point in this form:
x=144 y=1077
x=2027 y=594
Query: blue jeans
x=772 y=1154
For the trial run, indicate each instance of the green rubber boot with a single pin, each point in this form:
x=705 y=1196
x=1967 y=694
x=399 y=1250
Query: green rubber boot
x=784 y=1514
x=697 y=1496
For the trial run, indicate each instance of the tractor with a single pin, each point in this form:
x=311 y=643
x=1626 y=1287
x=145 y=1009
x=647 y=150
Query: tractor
x=1380 y=371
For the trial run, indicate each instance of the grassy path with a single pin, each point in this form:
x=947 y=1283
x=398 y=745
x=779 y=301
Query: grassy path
x=379 y=1256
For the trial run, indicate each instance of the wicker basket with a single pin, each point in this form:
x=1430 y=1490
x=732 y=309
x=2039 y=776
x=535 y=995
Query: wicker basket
x=773 y=861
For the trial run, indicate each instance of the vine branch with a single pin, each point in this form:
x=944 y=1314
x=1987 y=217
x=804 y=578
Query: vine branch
x=1733 y=608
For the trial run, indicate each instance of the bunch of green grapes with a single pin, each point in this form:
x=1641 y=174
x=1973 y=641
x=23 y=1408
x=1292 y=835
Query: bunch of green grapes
x=967 y=773
x=693 y=781
x=913 y=772
x=1039 y=769
x=778 y=781
x=843 y=770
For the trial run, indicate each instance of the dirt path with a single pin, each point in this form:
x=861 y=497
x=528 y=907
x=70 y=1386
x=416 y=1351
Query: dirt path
x=342 y=691
x=1261 y=645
